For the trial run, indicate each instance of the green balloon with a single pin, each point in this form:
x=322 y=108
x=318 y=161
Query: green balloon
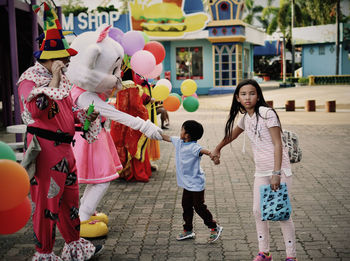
x=145 y=37
x=6 y=152
x=190 y=104
x=177 y=96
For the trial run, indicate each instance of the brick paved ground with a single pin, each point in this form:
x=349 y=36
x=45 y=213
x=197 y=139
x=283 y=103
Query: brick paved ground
x=146 y=217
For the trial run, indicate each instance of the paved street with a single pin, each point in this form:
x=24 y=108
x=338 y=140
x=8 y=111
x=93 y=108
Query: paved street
x=146 y=217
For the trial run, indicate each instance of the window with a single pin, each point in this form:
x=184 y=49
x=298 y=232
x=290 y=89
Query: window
x=321 y=50
x=225 y=65
x=189 y=63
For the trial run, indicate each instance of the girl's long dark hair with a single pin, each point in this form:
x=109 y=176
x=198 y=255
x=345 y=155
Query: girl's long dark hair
x=238 y=107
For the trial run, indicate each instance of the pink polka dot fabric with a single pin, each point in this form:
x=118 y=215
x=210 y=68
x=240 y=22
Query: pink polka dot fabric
x=45 y=257
x=79 y=250
x=42 y=77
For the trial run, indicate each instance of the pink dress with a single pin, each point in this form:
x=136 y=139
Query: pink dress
x=96 y=162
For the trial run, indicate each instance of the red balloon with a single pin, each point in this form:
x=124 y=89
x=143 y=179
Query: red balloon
x=14 y=184
x=15 y=218
x=157 y=49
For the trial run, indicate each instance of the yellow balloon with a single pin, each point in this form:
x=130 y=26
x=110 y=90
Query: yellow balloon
x=188 y=87
x=160 y=92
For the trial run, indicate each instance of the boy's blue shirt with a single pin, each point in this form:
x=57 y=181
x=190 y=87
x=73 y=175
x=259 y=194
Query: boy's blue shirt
x=189 y=174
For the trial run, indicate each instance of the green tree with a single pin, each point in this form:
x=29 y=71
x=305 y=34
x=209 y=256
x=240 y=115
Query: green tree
x=306 y=13
x=73 y=6
x=106 y=8
x=251 y=11
x=281 y=17
x=269 y=16
x=319 y=11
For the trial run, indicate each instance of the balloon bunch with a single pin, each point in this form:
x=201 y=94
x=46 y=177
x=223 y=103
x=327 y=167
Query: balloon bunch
x=161 y=90
x=143 y=56
x=188 y=89
x=15 y=206
x=189 y=100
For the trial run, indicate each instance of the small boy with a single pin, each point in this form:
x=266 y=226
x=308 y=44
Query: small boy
x=191 y=178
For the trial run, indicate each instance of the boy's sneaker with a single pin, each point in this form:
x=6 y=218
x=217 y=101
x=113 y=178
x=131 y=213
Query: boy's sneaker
x=291 y=259
x=263 y=257
x=186 y=235
x=215 y=234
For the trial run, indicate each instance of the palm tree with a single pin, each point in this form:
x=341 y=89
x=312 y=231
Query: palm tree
x=270 y=15
x=280 y=18
x=251 y=9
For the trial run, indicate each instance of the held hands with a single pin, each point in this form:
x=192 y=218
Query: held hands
x=215 y=156
x=151 y=130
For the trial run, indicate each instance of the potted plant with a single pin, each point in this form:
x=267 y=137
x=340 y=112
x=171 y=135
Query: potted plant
x=303 y=81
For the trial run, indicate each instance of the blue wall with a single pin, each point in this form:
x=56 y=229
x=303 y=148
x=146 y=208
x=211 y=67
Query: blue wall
x=204 y=85
x=316 y=64
x=345 y=62
x=166 y=61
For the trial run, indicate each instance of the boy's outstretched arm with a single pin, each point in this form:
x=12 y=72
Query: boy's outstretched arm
x=205 y=152
x=166 y=137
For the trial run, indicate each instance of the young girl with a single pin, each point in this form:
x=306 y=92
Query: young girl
x=272 y=166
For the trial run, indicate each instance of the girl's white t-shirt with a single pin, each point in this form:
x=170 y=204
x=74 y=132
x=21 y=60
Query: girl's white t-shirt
x=261 y=141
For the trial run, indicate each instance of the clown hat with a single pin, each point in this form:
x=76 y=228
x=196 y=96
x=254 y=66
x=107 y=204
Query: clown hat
x=54 y=44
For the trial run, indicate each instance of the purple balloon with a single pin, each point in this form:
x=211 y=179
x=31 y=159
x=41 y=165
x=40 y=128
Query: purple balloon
x=116 y=34
x=132 y=42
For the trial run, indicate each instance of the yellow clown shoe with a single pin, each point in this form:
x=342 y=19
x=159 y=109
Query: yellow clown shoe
x=93 y=228
x=99 y=216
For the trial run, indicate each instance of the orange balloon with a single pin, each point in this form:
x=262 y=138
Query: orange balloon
x=14 y=184
x=15 y=218
x=172 y=103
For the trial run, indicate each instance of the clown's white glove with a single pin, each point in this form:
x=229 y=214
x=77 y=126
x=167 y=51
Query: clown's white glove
x=151 y=130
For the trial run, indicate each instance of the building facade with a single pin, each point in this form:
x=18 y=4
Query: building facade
x=319 y=49
x=213 y=48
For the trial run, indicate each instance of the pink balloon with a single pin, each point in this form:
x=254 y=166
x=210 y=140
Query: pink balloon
x=143 y=62
x=165 y=82
x=156 y=72
x=132 y=42
x=193 y=95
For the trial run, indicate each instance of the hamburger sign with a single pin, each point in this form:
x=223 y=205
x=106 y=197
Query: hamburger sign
x=165 y=19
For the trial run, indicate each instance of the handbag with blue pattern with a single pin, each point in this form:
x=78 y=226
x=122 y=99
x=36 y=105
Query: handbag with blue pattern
x=275 y=205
